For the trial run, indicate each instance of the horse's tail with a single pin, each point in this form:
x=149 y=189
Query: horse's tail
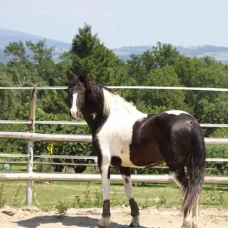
x=196 y=168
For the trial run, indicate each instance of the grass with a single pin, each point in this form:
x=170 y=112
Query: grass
x=63 y=194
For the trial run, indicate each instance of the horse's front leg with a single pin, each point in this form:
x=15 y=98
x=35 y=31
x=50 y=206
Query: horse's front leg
x=126 y=176
x=105 y=177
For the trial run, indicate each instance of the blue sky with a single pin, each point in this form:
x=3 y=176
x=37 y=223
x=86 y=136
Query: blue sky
x=121 y=23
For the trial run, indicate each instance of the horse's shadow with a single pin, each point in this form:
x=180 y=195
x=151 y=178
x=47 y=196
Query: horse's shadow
x=79 y=221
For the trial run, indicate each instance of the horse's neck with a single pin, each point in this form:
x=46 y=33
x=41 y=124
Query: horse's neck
x=97 y=111
x=94 y=116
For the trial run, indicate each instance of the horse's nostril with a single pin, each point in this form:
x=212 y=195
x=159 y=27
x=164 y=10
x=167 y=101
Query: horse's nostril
x=73 y=115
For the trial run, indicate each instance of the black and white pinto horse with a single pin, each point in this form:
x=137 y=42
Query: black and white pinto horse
x=124 y=137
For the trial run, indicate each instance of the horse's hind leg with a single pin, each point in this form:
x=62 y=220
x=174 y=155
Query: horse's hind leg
x=191 y=219
x=195 y=213
x=181 y=179
x=126 y=176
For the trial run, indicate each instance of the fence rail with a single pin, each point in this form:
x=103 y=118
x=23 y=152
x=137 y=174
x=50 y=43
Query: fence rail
x=82 y=157
x=120 y=87
x=97 y=177
x=76 y=138
x=81 y=123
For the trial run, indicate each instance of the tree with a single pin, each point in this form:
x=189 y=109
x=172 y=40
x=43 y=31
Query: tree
x=31 y=63
x=206 y=104
x=162 y=100
x=164 y=55
x=8 y=103
x=158 y=57
x=88 y=53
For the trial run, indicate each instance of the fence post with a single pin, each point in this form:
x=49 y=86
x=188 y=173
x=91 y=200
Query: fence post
x=31 y=129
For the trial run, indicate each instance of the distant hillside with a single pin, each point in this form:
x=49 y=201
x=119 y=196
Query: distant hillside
x=219 y=53
x=7 y=36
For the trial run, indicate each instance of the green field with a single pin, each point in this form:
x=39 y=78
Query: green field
x=63 y=194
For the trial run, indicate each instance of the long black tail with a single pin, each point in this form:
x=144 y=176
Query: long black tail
x=196 y=168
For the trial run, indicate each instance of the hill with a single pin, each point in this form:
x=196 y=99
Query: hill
x=124 y=53
x=7 y=36
x=218 y=53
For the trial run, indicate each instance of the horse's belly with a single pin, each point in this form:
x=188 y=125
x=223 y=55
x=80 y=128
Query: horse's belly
x=123 y=153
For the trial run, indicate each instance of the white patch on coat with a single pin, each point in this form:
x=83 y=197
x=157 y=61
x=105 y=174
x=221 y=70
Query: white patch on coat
x=128 y=186
x=74 y=108
x=94 y=115
x=176 y=112
x=116 y=134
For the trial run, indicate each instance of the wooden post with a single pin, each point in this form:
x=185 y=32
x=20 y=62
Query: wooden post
x=31 y=129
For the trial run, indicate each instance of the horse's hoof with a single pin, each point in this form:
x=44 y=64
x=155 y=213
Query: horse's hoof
x=98 y=226
x=132 y=225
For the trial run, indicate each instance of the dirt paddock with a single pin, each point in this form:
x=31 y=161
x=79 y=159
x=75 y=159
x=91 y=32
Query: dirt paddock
x=32 y=217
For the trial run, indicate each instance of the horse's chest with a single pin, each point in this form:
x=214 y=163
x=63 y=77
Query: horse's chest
x=118 y=128
x=116 y=136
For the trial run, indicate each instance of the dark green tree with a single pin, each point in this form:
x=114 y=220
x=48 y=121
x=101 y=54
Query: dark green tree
x=88 y=53
x=159 y=56
x=162 y=100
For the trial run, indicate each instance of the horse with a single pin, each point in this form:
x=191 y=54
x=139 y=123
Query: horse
x=124 y=137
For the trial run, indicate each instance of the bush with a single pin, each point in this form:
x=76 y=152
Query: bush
x=217 y=151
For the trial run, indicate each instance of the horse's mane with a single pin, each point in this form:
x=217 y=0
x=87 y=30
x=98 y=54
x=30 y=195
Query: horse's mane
x=114 y=96
x=96 y=89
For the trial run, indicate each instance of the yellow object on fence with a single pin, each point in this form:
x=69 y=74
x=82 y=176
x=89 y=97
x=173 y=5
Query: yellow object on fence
x=50 y=148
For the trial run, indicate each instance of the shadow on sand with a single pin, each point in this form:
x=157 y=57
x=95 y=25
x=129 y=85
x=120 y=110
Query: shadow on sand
x=78 y=221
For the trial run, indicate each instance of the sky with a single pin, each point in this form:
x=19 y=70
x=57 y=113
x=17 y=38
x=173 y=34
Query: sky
x=119 y=23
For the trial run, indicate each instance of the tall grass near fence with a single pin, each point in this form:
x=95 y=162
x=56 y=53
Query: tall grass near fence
x=62 y=195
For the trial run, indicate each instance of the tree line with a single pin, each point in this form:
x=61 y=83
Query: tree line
x=162 y=65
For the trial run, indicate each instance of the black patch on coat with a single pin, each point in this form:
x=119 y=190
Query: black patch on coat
x=159 y=138
x=116 y=161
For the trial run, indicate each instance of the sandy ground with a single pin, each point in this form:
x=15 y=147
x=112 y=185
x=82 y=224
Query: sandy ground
x=33 y=218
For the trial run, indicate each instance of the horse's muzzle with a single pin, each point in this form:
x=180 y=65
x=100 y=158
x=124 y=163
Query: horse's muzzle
x=74 y=115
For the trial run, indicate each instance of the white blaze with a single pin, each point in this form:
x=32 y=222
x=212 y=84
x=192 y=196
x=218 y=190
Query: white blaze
x=74 y=109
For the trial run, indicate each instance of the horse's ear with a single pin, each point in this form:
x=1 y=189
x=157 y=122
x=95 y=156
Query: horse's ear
x=69 y=76
x=83 y=76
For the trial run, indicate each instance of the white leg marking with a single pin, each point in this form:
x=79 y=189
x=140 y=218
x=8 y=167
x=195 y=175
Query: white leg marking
x=127 y=186
x=191 y=221
x=195 y=213
x=105 y=182
x=129 y=193
x=135 y=221
x=104 y=176
x=105 y=221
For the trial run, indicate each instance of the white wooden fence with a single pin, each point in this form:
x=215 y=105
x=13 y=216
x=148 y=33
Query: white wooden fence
x=31 y=136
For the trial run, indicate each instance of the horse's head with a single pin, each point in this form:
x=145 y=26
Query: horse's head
x=76 y=92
